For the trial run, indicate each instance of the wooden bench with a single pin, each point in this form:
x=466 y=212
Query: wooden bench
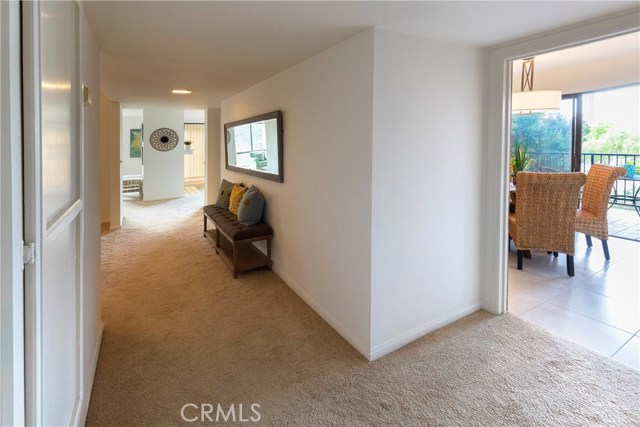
x=237 y=248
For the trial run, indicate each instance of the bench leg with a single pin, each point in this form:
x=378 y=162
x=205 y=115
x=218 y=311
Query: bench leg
x=235 y=261
x=204 y=233
x=268 y=254
x=217 y=239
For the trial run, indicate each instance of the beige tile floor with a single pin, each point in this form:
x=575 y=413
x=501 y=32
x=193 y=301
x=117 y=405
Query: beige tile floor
x=598 y=308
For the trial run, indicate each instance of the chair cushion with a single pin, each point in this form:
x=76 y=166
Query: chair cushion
x=236 y=197
x=251 y=207
x=224 y=194
x=589 y=224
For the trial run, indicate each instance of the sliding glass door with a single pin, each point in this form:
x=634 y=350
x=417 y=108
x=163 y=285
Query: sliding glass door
x=591 y=127
x=611 y=122
x=547 y=137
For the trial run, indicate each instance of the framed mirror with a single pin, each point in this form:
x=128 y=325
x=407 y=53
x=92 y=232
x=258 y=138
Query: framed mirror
x=254 y=146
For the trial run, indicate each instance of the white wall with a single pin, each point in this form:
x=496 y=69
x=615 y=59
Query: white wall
x=382 y=189
x=110 y=182
x=105 y=203
x=214 y=155
x=163 y=170
x=194 y=116
x=91 y=275
x=132 y=120
x=426 y=201
x=321 y=213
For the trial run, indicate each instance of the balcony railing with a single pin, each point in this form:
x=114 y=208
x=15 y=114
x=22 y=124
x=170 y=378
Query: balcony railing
x=626 y=191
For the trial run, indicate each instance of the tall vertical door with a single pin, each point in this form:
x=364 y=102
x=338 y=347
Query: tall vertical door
x=53 y=211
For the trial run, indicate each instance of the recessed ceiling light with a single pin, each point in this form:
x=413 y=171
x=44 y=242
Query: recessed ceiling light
x=181 y=91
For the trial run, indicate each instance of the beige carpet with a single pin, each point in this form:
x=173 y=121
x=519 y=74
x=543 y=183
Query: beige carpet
x=179 y=329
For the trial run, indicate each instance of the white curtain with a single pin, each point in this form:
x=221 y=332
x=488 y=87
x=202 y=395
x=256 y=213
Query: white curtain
x=194 y=162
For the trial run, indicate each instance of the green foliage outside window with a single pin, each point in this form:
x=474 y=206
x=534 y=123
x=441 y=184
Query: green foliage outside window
x=604 y=138
x=542 y=132
x=546 y=139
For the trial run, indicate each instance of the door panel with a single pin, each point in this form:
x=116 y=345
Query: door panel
x=59 y=327
x=53 y=211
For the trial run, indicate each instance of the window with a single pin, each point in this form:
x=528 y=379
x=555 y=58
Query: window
x=593 y=127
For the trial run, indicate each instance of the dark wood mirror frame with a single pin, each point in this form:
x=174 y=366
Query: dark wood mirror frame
x=279 y=176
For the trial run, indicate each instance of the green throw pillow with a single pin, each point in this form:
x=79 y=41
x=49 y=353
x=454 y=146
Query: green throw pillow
x=251 y=207
x=224 y=194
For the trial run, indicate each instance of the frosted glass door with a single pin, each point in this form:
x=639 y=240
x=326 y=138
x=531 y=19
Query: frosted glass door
x=53 y=390
x=60 y=147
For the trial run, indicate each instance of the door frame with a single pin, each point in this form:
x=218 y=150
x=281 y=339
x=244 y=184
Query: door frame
x=12 y=383
x=576 y=131
x=497 y=138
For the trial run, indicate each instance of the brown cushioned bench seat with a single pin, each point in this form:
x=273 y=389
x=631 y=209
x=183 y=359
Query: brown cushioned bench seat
x=229 y=224
x=241 y=255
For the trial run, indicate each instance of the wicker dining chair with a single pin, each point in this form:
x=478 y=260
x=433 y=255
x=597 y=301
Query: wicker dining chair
x=545 y=213
x=591 y=218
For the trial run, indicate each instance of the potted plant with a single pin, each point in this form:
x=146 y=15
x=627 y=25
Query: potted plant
x=188 y=144
x=520 y=160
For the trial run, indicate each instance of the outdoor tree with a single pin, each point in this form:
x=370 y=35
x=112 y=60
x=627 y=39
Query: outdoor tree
x=605 y=138
x=542 y=132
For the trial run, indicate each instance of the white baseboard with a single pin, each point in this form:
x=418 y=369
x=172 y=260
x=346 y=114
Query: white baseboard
x=402 y=340
x=88 y=386
x=324 y=313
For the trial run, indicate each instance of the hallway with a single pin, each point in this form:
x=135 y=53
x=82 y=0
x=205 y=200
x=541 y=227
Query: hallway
x=178 y=330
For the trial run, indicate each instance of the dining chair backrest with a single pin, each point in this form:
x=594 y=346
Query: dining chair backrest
x=600 y=180
x=546 y=210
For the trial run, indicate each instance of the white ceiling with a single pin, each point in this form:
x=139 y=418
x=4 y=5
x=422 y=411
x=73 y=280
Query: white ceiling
x=220 y=48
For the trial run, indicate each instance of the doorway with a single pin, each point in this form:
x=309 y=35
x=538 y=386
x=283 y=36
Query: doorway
x=132 y=153
x=598 y=307
x=195 y=153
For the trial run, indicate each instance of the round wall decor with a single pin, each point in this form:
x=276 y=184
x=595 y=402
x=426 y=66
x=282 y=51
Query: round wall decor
x=163 y=139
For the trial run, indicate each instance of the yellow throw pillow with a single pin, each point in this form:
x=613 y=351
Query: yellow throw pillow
x=236 y=197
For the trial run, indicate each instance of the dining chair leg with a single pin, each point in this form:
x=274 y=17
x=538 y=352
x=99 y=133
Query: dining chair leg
x=570 y=271
x=519 y=259
x=588 y=238
x=605 y=248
